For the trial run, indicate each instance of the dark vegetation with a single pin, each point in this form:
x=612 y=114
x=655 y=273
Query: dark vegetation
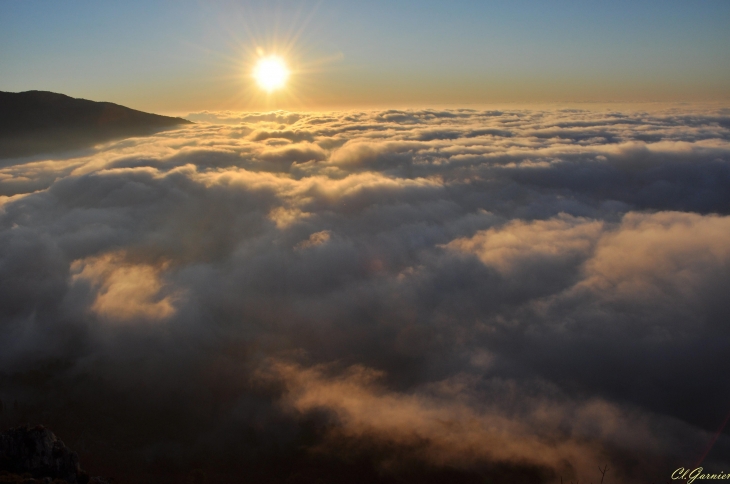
x=36 y=122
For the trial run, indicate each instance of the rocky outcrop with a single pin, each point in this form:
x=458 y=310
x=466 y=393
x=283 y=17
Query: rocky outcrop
x=36 y=452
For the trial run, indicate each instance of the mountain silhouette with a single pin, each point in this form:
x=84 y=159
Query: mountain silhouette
x=35 y=122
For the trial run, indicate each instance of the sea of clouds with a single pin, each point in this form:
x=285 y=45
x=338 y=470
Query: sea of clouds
x=406 y=296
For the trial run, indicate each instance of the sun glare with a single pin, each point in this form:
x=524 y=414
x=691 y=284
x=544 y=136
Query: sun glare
x=271 y=73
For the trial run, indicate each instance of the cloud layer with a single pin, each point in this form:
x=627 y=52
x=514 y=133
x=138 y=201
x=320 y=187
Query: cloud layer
x=402 y=296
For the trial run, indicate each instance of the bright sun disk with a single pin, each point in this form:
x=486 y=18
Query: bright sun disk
x=271 y=73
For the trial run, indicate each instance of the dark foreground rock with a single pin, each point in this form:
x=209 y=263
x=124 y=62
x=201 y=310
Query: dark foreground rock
x=35 y=454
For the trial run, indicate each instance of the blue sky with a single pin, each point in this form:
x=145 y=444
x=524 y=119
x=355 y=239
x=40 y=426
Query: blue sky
x=193 y=54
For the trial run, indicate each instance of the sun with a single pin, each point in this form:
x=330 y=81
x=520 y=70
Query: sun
x=271 y=73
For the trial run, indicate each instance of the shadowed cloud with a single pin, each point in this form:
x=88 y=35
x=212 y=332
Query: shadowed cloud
x=393 y=296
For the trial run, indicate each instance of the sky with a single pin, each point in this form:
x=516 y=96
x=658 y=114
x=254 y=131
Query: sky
x=177 y=56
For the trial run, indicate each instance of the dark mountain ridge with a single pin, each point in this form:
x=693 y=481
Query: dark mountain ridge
x=35 y=122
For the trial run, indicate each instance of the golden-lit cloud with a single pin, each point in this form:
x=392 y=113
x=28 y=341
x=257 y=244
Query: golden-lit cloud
x=526 y=244
x=671 y=252
x=314 y=240
x=124 y=290
x=450 y=423
x=283 y=217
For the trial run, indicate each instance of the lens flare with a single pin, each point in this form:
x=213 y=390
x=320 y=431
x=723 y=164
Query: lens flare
x=271 y=73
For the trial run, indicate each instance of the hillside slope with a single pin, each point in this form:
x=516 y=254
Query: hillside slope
x=34 y=122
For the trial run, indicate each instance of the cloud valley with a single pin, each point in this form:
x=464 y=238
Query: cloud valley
x=404 y=296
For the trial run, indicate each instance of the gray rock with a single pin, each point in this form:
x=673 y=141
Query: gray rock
x=39 y=452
